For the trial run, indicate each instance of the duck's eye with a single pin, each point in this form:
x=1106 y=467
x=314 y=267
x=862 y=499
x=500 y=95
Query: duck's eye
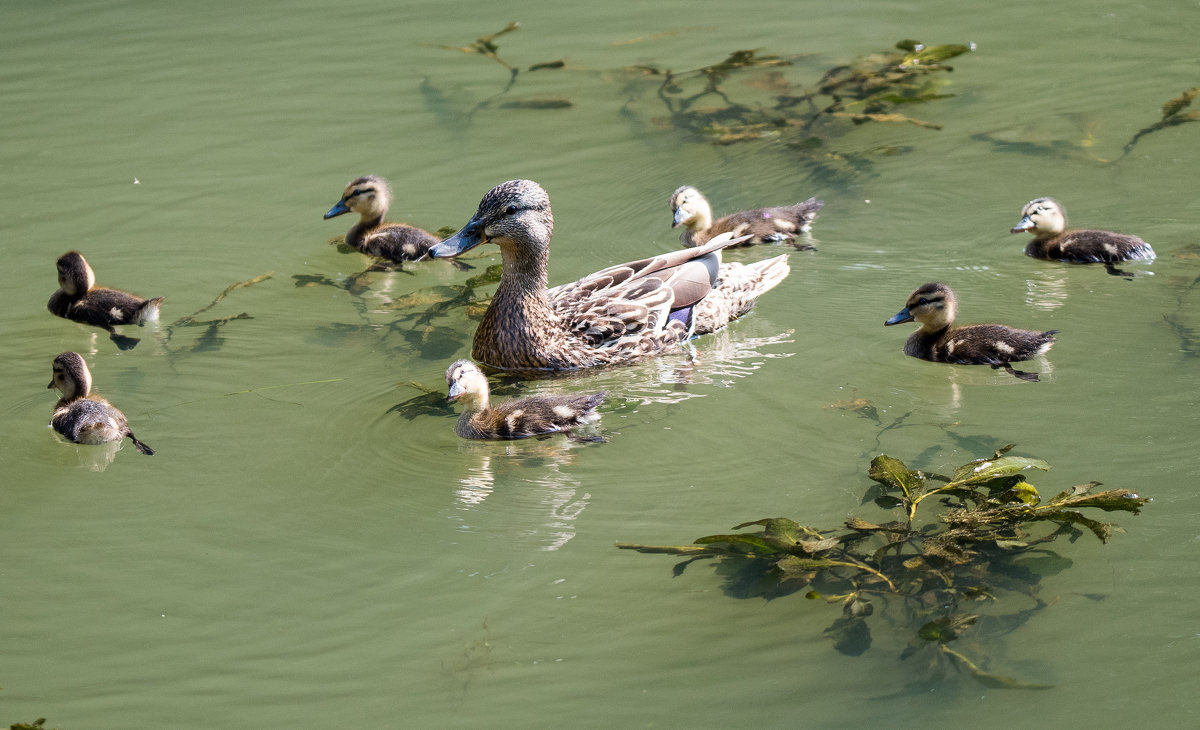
x=510 y=210
x=921 y=301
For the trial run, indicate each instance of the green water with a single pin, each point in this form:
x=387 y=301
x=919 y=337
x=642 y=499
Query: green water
x=302 y=553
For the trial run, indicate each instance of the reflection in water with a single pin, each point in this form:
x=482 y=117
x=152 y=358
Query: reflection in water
x=538 y=468
x=93 y=457
x=1046 y=290
x=720 y=359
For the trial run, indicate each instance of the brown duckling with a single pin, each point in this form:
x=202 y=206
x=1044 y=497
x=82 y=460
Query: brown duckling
x=81 y=415
x=79 y=299
x=614 y=315
x=934 y=306
x=1052 y=240
x=370 y=196
x=517 y=419
x=764 y=225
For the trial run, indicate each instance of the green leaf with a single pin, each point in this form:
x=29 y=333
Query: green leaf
x=935 y=54
x=984 y=470
x=893 y=473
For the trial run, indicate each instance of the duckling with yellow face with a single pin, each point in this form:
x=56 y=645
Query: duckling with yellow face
x=615 y=315
x=81 y=415
x=934 y=306
x=516 y=419
x=691 y=210
x=370 y=197
x=1052 y=240
x=80 y=300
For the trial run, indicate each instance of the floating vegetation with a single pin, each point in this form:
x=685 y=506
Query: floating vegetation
x=769 y=105
x=872 y=89
x=936 y=578
x=1171 y=116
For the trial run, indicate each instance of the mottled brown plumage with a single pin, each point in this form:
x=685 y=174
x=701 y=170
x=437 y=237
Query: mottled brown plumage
x=934 y=306
x=370 y=196
x=521 y=418
x=80 y=300
x=82 y=416
x=1052 y=240
x=614 y=315
x=690 y=209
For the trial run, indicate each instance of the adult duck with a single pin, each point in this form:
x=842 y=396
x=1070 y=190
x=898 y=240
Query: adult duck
x=81 y=415
x=370 y=197
x=614 y=315
x=80 y=300
x=934 y=307
x=690 y=209
x=1052 y=240
x=515 y=419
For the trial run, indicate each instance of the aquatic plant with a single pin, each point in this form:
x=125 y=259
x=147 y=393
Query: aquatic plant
x=928 y=575
x=1172 y=115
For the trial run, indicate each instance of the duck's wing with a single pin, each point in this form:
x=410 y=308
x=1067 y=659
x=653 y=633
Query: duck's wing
x=638 y=296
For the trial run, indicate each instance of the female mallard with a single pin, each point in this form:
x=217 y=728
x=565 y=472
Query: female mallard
x=614 y=315
x=370 y=196
x=934 y=307
x=518 y=419
x=1047 y=221
x=79 y=299
x=83 y=416
x=763 y=225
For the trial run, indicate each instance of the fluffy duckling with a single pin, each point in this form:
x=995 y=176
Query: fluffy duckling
x=79 y=299
x=934 y=306
x=614 y=315
x=764 y=225
x=370 y=196
x=81 y=415
x=516 y=419
x=1047 y=221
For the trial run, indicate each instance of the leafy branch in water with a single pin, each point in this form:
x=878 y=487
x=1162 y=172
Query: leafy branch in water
x=992 y=525
x=1171 y=116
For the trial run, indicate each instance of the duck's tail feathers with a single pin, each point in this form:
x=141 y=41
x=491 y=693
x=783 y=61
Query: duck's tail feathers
x=740 y=286
x=148 y=312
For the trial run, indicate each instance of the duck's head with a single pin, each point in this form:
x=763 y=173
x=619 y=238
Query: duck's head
x=514 y=215
x=71 y=376
x=369 y=196
x=932 y=305
x=467 y=382
x=1042 y=217
x=690 y=208
x=74 y=274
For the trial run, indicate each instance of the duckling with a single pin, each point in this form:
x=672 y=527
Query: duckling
x=1047 y=221
x=79 y=299
x=81 y=415
x=764 y=225
x=370 y=196
x=614 y=315
x=518 y=419
x=934 y=306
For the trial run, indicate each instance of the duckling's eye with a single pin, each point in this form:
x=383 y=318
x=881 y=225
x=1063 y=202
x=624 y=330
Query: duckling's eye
x=510 y=210
x=921 y=301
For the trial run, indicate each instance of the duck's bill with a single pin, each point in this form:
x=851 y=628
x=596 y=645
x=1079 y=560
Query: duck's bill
x=455 y=391
x=680 y=216
x=1023 y=226
x=900 y=317
x=461 y=242
x=337 y=210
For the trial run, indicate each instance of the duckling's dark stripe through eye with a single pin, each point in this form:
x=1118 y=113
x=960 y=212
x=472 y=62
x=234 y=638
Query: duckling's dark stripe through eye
x=360 y=191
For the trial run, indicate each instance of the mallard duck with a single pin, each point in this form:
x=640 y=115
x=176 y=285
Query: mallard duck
x=934 y=306
x=1047 y=221
x=81 y=415
x=614 y=315
x=79 y=299
x=370 y=196
x=517 y=419
x=764 y=225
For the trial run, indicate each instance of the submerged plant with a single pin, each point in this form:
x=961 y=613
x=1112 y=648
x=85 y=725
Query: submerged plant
x=1172 y=114
x=927 y=575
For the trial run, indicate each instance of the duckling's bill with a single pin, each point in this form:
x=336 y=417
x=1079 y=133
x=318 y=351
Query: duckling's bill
x=337 y=210
x=900 y=317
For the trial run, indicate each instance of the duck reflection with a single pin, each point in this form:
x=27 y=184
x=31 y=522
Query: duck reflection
x=541 y=470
